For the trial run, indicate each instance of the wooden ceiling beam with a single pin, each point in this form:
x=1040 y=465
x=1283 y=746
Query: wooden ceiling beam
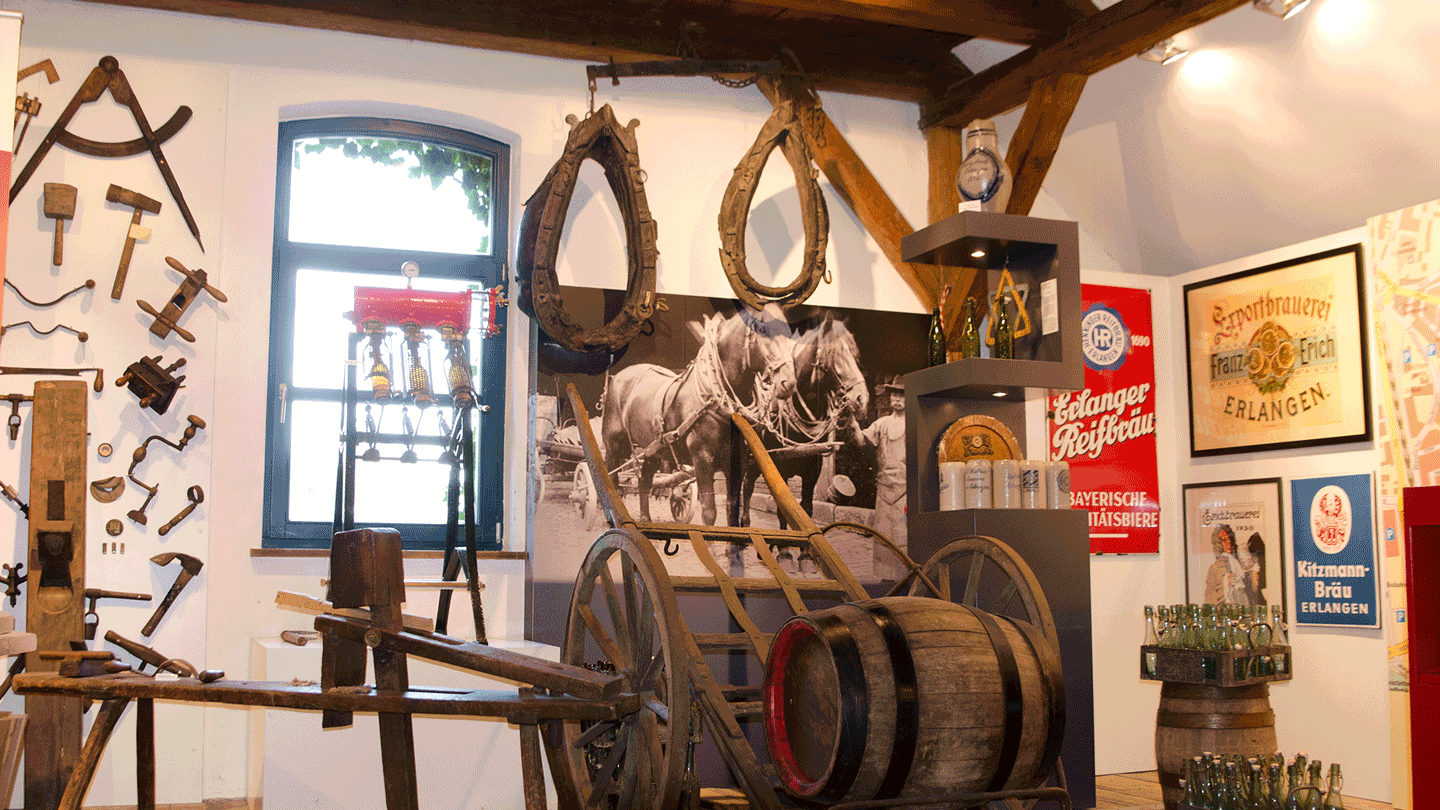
x=1091 y=45
x=857 y=187
x=1037 y=137
x=880 y=61
x=1025 y=24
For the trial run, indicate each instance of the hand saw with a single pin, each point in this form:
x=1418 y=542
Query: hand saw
x=108 y=76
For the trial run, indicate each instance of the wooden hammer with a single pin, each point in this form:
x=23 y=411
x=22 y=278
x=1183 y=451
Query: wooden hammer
x=141 y=204
x=59 y=206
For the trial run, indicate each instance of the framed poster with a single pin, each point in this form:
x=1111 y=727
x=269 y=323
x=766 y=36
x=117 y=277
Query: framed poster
x=1106 y=431
x=1234 y=549
x=1335 y=576
x=1276 y=356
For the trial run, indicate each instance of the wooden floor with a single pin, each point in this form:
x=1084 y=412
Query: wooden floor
x=1141 y=791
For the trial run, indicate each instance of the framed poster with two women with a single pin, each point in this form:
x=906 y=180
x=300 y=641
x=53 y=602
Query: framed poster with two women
x=1276 y=356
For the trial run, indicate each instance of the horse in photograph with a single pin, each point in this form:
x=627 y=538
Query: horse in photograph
x=666 y=420
x=828 y=383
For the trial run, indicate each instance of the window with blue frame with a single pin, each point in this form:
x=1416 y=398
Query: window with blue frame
x=357 y=198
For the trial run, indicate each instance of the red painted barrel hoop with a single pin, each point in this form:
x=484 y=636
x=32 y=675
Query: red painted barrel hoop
x=854 y=721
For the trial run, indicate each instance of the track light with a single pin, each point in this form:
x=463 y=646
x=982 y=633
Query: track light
x=1284 y=9
x=1167 y=52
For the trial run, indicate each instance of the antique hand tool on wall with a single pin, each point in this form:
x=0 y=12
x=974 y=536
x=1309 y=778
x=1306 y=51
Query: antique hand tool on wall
x=165 y=320
x=26 y=104
x=59 y=206
x=92 y=619
x=138 y=515
x=59 y=327
x=108 y=76
x=54 y=608
x=13 y=578
x=196 y=496
x=141 y=205
x=88 y=285
x=153 y=385
x=189 y=567
x=59 y=372
x=14 y=421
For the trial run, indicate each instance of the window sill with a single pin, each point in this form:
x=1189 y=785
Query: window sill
x=414 y=554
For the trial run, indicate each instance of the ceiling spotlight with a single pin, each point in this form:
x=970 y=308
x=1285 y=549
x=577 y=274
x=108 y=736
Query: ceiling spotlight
x=998 y=394
x=978 y=254
x=1284 y=9
x=1168 y=53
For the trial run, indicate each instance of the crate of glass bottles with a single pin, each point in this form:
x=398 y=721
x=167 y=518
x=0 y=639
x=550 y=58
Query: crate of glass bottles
x=1216 y=667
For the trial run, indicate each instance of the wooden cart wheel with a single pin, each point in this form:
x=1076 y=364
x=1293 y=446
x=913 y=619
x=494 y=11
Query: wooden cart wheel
x=623 y=611
x=682 y=501
x=986 y=573
x=583 y=493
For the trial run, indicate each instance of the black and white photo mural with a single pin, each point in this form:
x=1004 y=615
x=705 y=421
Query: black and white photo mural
x=819 y=384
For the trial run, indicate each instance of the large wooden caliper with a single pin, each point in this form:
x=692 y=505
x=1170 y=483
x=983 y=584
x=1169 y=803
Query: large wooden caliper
x=108 y=76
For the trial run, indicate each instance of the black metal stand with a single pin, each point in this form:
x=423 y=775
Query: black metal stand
x=460 y=446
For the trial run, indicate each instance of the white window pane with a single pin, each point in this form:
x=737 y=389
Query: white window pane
x=386 y=491
x=322 y=297
x=368 y=192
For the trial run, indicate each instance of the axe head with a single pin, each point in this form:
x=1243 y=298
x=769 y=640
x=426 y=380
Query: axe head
x=187 y=563
x=132 y=199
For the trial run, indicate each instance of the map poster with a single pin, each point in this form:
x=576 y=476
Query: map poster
x=1106 y=431
x=1335 y=572
x=1234 y=546
x=1276 y=356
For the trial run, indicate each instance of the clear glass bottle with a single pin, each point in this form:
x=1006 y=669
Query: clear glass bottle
x=1152 y=639
x=983 y=174
x=1279 y=639
x=1333 y=799
x=969 y=331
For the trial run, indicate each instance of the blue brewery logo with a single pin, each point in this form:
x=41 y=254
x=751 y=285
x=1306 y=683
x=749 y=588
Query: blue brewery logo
x=1104 y=340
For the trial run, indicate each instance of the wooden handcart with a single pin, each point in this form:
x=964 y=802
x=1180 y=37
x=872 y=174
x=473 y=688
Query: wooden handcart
x=615 y=716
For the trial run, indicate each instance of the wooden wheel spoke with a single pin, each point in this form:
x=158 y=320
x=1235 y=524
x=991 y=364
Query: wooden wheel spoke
x=593 y=732
x=602 y=638
x=618 y=619
x=650 y=737
x=661 y=711
x=608 y=769
x=1007 y=595
x=652 y=670
x=972 y=581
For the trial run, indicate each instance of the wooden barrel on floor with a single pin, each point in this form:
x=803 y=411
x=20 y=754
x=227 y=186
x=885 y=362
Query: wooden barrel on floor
x=1193 y=719
x=910 y=696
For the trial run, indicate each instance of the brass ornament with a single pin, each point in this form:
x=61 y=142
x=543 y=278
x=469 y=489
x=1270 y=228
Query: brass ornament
x=1007 y=286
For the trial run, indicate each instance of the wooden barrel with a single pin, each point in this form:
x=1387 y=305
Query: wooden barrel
x=1193 y=719
x=910 y=696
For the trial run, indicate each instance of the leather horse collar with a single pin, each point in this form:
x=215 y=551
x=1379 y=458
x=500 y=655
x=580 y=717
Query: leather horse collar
x=784 y=129
x=600 y=138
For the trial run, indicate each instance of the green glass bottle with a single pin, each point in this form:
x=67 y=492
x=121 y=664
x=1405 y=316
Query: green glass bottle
x=937 y=339
x=1004 y=333
x=969 y=332
x=1152 y=639
x=1316 y=798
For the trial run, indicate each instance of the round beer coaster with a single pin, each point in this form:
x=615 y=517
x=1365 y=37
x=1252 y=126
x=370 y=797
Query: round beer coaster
x=977 y=436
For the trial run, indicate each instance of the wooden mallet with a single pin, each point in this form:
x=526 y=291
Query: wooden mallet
x=59 y=206
x=141 y=204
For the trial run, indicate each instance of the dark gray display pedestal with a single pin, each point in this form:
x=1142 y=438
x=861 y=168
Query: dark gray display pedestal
x=1041 y=255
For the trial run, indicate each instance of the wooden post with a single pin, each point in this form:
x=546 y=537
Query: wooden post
x=55 y=608
x=145 y=754
x=78 y=784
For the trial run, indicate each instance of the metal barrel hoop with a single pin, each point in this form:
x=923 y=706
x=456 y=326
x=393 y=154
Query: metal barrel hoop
x=598 y=137
x=784 y=129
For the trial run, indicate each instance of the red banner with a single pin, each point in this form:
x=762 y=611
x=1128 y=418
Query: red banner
x=1107 y=430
